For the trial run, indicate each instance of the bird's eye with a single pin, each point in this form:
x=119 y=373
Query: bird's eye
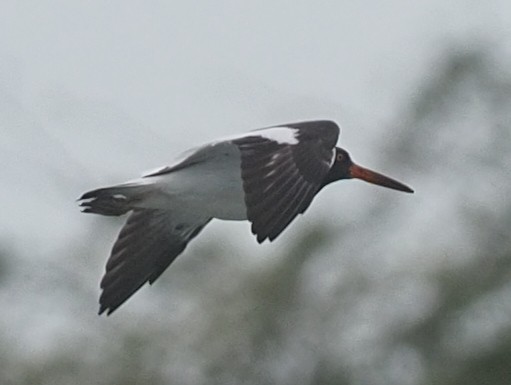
x=340 y=157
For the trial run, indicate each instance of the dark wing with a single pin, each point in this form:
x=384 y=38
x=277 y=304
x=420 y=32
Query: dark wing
x=280 y=179
x=145 y=247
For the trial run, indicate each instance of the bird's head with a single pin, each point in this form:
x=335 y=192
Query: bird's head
x=344 y=168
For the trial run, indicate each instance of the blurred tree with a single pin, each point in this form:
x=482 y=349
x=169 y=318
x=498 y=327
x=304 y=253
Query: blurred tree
x=296 y=320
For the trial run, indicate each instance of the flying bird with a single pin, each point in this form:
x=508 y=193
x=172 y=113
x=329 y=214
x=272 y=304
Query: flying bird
x=266 y=176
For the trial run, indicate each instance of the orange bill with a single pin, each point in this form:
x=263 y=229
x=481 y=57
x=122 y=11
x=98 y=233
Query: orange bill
x=362 y=173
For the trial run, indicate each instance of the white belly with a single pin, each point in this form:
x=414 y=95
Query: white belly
x=210 y=189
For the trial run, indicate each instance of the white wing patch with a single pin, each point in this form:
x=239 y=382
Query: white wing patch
x=281 y=135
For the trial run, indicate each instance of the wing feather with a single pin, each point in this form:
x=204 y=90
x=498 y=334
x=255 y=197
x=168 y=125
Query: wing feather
x=280 y=179
x=147 y=244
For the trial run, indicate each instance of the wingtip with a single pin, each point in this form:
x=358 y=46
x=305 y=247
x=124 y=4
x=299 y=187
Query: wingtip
x=87 y=195
x=103 y=309
x=259 y=238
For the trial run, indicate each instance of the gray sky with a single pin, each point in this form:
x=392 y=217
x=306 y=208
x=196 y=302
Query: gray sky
x=94 y=93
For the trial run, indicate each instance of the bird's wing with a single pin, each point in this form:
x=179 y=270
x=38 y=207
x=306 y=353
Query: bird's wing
x=282 y=171
x=195 y=156
x=147 y=244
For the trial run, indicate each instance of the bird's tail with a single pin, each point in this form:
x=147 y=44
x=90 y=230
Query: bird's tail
x=114 y=200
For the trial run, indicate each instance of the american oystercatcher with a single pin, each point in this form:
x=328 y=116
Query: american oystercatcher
x=267 y=176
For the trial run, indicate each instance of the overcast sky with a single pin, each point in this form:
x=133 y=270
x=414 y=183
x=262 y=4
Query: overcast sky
x=94 y=93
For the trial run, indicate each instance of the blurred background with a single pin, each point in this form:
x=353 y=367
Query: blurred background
x=369 y=287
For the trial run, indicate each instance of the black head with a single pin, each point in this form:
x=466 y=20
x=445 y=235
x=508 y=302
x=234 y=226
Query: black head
x=344 y=168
